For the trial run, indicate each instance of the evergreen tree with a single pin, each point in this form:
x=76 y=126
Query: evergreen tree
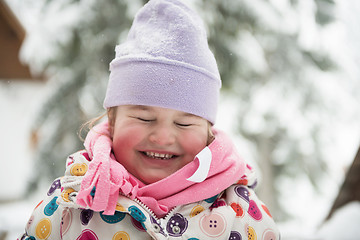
x=80 y=71
x=274 y=74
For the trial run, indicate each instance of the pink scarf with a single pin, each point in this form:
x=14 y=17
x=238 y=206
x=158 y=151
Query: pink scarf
x=107 y=177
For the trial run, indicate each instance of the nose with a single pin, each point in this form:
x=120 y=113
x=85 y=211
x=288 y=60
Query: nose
x=162 y=135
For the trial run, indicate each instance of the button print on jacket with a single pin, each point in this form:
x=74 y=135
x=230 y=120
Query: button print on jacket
x=66 y=220
x=55 y=185
x=43 y=229
x=213 y=225
x=51 y=207
x=177 y=225
x=87 y=234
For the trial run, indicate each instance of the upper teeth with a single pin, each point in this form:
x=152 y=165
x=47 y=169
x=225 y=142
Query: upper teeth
x=159 y=155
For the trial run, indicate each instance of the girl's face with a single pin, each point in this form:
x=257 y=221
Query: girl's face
x=153 y=142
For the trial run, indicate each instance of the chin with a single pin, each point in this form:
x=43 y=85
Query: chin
x=151 y=179
x=148 y=181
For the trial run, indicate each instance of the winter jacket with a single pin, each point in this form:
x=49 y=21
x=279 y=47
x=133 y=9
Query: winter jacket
x=235 y=213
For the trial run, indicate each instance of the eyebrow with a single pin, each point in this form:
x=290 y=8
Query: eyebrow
x=148 y=108
x=189 y=115
x=139 y=107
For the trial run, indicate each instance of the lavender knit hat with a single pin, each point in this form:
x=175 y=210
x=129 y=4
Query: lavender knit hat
x=165 y=62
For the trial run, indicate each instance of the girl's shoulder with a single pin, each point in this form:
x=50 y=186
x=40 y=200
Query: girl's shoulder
x=77 y=163
x=237 y=213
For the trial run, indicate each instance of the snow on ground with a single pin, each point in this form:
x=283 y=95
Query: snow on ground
x=14 y=215
x=344 y=224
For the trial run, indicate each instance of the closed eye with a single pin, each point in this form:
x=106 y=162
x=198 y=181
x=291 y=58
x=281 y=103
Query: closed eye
x=144 y=119
x=183 y=125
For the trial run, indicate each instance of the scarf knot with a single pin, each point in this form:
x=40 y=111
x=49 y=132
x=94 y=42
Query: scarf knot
x=105 y=177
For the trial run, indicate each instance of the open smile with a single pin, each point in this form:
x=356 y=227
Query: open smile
x=156 y=155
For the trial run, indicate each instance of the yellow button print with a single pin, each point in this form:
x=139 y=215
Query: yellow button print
x=196 y=210
x=43 y=228
x=121 y=236
x=251 y=233
x=66 y=193
x=79 y=169
x=120 y=208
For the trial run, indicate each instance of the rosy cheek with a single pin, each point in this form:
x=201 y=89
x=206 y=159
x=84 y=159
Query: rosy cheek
x=120 y=146
x=125 y=141
x=194 y=143
x=120 y=143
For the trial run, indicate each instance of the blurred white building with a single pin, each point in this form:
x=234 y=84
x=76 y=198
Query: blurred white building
x=21 y=93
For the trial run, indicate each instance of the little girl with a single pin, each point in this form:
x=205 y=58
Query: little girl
x=157 y=169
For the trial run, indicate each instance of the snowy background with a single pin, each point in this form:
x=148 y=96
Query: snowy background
x=21 y=102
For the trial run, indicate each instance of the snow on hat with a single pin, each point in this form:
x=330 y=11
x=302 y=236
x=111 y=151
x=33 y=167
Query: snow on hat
x=165 y=62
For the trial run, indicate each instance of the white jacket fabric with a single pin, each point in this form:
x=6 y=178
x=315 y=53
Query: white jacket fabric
x=235 y=214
